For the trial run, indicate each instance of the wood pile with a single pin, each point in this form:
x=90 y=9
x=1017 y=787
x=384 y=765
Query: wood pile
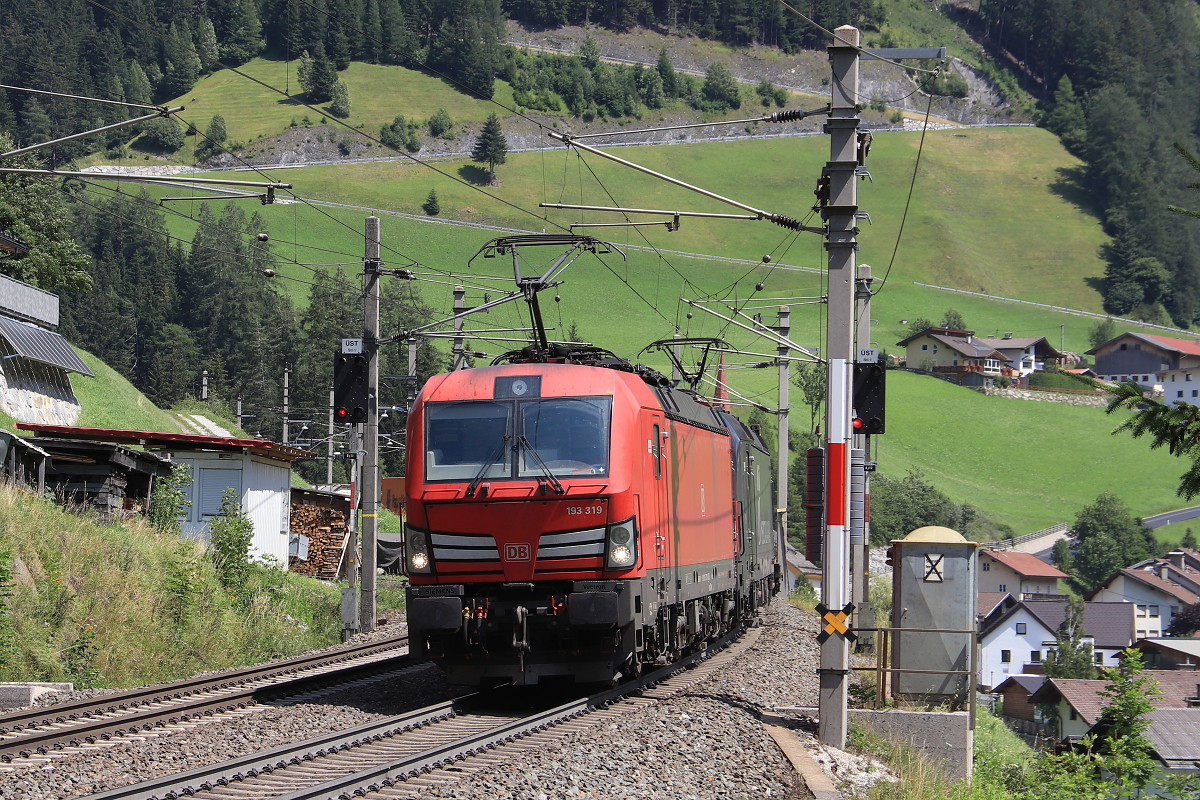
x=326 y=531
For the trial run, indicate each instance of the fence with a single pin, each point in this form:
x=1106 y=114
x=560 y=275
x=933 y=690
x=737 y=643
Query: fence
x=1008 y=544
x=883 y=671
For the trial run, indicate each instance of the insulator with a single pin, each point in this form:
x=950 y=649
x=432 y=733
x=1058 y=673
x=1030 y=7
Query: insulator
x=786 y=116
x=558 y=298
x=786 y=222
x=767 y=259
x=270 y=273
x=758 y=287
x=689 y=315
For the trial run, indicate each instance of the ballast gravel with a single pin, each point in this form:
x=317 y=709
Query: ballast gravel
x=707 y=742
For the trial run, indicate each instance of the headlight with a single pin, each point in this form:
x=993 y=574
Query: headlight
x=416 y=551
x=622 y=544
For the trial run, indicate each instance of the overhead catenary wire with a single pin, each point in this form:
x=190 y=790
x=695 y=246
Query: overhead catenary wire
x=862 y=50
x=908 y=200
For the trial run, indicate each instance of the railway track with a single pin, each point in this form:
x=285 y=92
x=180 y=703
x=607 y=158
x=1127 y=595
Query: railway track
x=88 y=722
x=399 y=755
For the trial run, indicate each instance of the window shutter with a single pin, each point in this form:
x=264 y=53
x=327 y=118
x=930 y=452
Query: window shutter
x=213 y=483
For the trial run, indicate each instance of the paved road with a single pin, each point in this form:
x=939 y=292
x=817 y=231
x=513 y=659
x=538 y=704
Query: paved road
x=1169 y=517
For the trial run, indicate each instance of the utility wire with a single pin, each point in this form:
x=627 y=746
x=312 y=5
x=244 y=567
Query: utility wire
x=908 y=200
x=844 y=43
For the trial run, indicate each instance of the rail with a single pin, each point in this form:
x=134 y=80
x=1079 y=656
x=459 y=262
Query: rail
x=71 y=724
x=389 y=769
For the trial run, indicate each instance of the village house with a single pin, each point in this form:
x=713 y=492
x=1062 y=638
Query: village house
x=1016 y=641
x=1172 y=652
x=1157 y=363
x=1021 y=574
x=1023 y=354
x=1077 y=703
x=1158 y=587
x=950 y=351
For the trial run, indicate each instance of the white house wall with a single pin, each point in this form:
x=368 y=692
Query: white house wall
x=267 y=501
x=997 y=577
x=1125 y=590
x=992 y=670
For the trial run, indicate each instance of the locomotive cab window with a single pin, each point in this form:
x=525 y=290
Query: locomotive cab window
x=569 y=435
x=566 y=436
x=461 y=437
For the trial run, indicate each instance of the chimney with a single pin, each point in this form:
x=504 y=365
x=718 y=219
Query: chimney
x=1163 y=570
x=1176 y=558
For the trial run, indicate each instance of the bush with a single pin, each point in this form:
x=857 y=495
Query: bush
x=948 y=84
x=441 y=126
x=340 y=105
x=720 y=88
x=169 y=501
x=229 y=543
x=163 y=134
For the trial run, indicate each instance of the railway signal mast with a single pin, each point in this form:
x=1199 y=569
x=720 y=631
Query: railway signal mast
x=843 y=567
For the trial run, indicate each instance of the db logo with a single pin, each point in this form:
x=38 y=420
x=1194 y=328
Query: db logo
x=516 y=552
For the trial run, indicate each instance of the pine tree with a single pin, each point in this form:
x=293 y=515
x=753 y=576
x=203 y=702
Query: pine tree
x=206 y=44
x=183 y=65
x=373 y=28
x=720 y=87
x=136 y=84
x=589 y=53
x=1189 y=539
x=431 y=205
x=491 y=148
x=1067 y=119
x=667 y=72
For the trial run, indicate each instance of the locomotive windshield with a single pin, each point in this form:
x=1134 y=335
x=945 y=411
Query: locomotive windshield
x=569 y=435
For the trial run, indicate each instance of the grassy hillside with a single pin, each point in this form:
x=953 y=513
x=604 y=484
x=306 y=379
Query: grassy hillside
x=1031 y=464
x=995 y=210
x=110 y=401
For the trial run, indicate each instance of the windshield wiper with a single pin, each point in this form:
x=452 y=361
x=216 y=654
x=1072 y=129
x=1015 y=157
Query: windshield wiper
x=554 y=482
x=492 y=459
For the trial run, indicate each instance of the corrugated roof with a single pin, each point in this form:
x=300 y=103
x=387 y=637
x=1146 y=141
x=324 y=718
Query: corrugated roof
x=1175 y=733
x=1109 y=624
x=169 y=441
x=39 y=344
x=1025 y=565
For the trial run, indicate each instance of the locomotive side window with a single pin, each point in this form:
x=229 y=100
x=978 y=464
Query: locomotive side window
x=569 y=434
x=461 y=437
x=657 y=447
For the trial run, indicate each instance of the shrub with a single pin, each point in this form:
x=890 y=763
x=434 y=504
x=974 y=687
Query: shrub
x=1057 y=380
x=163 y=134
x=169 y=501
x=720 y=88
x=948 y=84
x=229 y=544
x=340 y=104
x=441 y=126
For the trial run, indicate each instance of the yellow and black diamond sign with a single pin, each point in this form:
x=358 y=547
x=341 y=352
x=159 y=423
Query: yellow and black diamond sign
x=836 y=622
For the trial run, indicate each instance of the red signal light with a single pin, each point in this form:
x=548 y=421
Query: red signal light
x=341 y=413
x=857 y=423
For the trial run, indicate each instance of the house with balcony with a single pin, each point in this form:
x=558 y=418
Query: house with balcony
x=1024 y=354
x=1016 y=641
x=953 y=352
x=1157 y=363
x=1172 y=652
x=1158 y=588
x=1023 y=575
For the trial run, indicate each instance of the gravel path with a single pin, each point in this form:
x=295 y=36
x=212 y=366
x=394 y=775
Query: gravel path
x=706 y=743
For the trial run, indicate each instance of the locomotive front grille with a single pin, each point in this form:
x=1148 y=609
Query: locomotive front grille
x=576 y=544
x=464 y=547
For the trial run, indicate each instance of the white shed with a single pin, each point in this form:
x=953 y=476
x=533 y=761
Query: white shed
x=258 y=470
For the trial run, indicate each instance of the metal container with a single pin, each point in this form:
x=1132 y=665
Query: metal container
x=933 y=592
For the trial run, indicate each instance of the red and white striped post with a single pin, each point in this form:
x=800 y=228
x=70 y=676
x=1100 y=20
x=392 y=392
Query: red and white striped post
x=841 y=243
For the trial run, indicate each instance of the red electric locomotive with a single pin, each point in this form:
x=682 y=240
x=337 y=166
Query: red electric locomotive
x=573 y=517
